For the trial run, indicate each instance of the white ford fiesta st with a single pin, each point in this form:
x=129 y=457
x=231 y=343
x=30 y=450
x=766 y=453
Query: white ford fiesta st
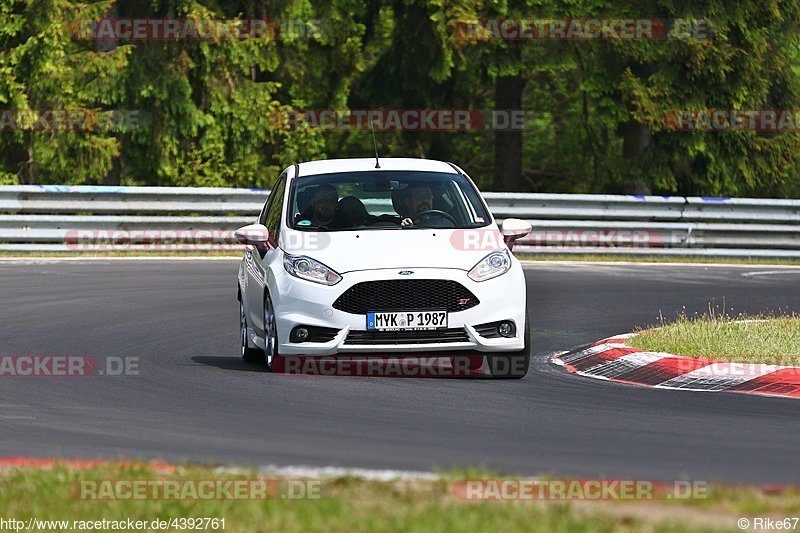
x=387 y=258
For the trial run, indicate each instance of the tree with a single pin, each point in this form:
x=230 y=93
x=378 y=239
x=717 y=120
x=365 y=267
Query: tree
x=46 y=73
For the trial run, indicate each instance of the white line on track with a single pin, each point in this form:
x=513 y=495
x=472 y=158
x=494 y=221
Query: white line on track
x=655 y=263
x=767 y=273
x=334 y=472
x=51 y=260
x=526 y=263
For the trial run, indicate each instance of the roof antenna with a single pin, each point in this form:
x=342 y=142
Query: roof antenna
x=375 y=145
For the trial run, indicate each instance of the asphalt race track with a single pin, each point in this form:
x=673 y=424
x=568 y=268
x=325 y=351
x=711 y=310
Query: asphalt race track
x=194 y=399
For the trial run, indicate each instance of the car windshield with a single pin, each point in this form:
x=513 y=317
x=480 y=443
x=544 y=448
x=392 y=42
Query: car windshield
x=383 y=200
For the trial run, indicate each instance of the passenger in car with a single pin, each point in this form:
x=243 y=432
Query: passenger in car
x=322 y=210
x=350 y=212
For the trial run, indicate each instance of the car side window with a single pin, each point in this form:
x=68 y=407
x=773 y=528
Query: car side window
x=262 y=217
x=273 y=212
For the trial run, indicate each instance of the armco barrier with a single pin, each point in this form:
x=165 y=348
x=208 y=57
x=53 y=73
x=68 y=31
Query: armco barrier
x=52 y=217
x=64 y=199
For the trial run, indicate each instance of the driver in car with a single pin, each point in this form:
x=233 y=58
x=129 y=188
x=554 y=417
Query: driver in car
x=418 y=198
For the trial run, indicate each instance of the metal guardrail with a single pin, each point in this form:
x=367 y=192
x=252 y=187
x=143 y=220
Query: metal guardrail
x=55 y=199
x=86 y=218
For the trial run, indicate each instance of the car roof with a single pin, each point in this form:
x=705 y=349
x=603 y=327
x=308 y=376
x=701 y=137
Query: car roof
x=330 y=166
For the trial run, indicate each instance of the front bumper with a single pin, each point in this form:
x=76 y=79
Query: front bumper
x=305 y=303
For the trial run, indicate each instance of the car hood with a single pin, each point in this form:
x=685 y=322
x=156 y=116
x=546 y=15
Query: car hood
x=346 y=251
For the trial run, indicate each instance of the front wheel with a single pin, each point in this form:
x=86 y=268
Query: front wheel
x=251 y=355
x=512 y=365
x=270 y=334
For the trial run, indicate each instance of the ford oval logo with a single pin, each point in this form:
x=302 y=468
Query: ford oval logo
x=406 y=272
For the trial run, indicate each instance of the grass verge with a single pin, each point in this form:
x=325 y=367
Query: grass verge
x=354 y=504
x=769 y=340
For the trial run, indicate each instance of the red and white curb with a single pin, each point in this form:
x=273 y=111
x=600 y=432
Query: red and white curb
x=613 y=360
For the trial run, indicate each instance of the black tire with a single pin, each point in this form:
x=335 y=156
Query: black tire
x=270 y=353
x=250 y=355
x=512 y=365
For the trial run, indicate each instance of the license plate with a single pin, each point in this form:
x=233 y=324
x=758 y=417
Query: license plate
x=400 y=320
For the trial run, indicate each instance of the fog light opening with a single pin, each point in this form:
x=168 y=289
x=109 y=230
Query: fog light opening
x=300 y=334
x=506 y=329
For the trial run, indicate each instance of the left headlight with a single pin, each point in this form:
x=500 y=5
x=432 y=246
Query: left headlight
x=309 y=269
x=491 y=266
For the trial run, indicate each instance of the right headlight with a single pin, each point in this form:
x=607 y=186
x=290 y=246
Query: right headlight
x=491 y=266
x=309 y=269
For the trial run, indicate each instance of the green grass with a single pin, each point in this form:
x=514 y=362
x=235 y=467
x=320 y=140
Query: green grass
x=770 y=340
x=353 y=504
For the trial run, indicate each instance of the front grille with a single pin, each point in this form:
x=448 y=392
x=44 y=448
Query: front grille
x=405 y=294
x=429 y=336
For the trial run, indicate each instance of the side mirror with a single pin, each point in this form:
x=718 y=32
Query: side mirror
x=255 y=235
x=513 y=229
